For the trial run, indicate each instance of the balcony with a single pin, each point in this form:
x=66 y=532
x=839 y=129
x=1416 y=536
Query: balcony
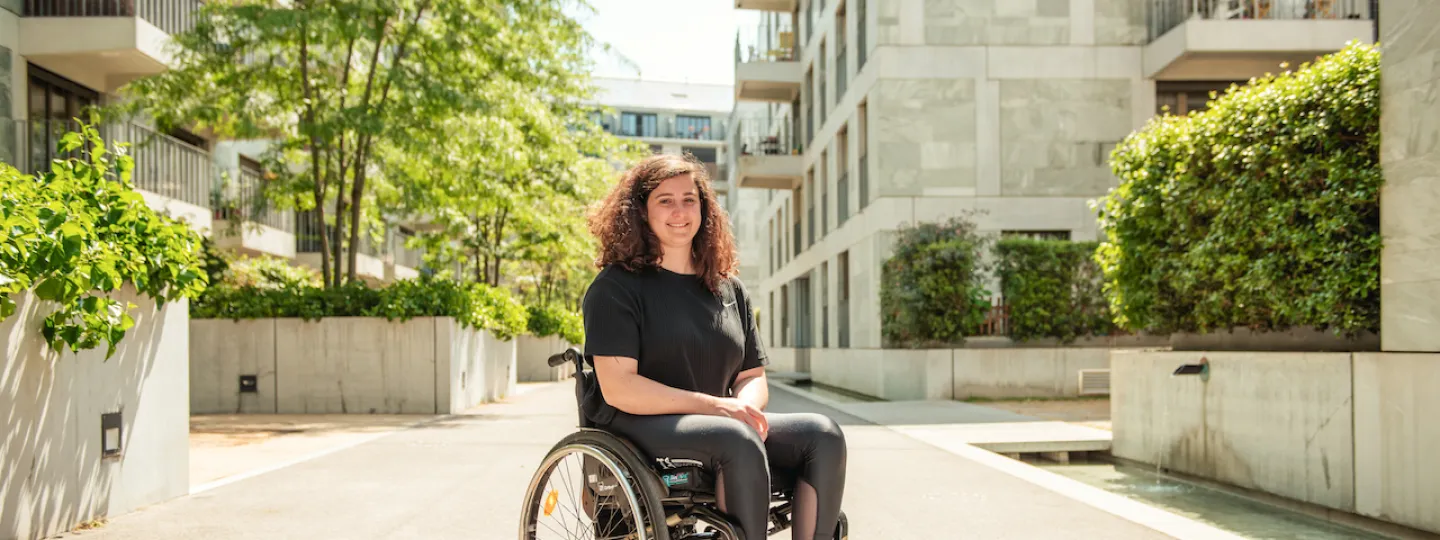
x=369 y=266
x=767 y=66
x=245 y=221
x=103 y=44
x=1234 y=40
x=768 y=156
x=782 y=6
x=175 y=177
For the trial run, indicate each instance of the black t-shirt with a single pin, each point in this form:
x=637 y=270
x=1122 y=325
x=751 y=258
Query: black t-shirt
x=682 y=335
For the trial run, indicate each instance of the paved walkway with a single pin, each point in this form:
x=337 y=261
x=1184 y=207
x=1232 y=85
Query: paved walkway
x=463 y=477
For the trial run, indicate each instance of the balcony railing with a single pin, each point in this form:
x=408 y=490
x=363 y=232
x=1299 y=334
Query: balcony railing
x=770 y=42
x=763 y=136
x=307 y=236
x=1165 y=15
x=246 y=202
x=712 y=132
x=164 y=165
x=171 y=16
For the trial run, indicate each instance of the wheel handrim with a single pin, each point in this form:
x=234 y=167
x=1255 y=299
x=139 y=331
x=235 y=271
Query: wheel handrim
x=561 y=502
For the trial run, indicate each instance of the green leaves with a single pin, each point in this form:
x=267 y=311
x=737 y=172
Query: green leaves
x=263 y=294
x=79 y=232
x=932 y=288
x=1053 y=289
x=1262 y=211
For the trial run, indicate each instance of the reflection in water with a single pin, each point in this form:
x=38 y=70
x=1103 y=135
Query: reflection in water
x=1239 y=515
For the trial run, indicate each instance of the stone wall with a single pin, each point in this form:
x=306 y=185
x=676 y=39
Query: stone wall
x=1410 y=156
x=1056 y=135
x=53 y=473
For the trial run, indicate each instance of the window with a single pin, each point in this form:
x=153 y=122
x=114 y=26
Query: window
x=824 y=199
x=842 y=180
x=639 y=125
x=1183 y=98
x=864 y=144
x=1037 y=235
x=692 y=127
x=825 y=305
x=842 y=289
x=54 y=104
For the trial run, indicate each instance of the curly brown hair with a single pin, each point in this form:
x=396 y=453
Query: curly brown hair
x=618 y=222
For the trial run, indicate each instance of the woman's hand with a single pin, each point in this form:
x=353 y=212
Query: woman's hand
x=744 y=412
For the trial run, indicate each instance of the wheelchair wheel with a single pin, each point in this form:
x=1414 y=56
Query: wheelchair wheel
x=583 y=490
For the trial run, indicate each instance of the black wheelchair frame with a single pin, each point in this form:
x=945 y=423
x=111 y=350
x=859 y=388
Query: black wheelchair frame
x=678 y=493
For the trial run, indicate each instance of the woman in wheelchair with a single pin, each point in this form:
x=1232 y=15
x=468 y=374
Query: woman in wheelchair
x=672 y=335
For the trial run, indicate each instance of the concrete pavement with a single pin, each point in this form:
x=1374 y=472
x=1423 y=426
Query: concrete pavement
x=464 y=476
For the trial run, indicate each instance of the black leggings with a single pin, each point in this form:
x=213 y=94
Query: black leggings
x=809 y=447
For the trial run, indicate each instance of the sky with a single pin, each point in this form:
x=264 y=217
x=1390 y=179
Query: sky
x=667 y=40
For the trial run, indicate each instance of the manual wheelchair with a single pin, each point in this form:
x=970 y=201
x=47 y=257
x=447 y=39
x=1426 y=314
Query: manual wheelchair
x=619 y=493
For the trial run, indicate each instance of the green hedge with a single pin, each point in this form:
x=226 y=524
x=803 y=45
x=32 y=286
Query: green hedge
x=932 y=288
x=551 y=321
x=1261 y=212
x=1053 y=289
x=78 y=232
x=474 y=305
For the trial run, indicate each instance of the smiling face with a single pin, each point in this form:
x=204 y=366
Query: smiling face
x=673 y=211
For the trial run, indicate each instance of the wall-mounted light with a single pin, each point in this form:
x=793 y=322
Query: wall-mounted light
x=249 y=384
x=1202 y=369
x=112 y=432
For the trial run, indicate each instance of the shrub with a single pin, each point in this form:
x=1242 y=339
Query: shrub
x=932 y=291
x=1262 y=211
x=79 y=231
x=550 y=321
x=1053 y=289
x=473 y=305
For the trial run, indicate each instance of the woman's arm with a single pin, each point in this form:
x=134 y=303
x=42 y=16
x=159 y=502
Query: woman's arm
x=627 y=390
x=752 y=387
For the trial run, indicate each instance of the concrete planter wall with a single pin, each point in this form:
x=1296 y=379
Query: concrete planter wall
x=928 y=374
x=428 y=365
x=533 y=355
x=53 y=474
x=1338 y=430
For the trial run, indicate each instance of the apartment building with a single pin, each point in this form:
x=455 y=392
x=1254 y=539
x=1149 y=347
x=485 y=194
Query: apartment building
x=686 y=118
x=859 y=116
x=59 y=56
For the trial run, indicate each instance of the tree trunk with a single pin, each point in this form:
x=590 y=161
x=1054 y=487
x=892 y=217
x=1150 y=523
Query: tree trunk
x=316 y=149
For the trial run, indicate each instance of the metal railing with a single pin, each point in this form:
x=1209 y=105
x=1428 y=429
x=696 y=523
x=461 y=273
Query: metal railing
x=171 y=16
x=247 y=202
x=713 y=132
x=1165 y=15
x=772 y=41
x=164 y=165
x=763 y=136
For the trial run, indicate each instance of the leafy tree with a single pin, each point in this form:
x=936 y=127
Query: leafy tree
x=352 y=91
